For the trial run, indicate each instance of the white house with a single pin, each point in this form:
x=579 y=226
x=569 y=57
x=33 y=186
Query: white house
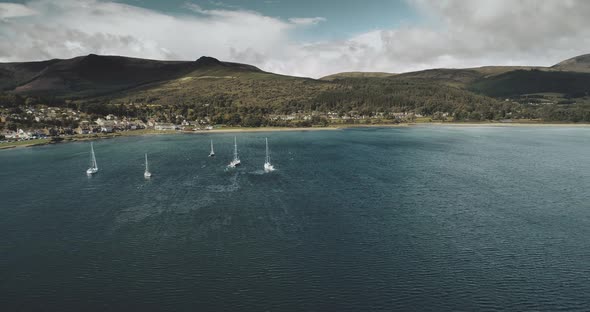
x=164 y=126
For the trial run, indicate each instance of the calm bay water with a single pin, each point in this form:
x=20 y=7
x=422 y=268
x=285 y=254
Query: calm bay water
x=426 y=218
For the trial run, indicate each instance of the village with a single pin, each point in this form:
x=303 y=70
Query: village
x=35 y=123
x=32 y=123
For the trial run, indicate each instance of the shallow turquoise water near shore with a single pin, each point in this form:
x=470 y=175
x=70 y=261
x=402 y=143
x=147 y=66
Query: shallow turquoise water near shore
x=426 y=218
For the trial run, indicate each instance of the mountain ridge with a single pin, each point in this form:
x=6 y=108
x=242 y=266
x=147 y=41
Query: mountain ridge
x=207 y=86
x=93 y=75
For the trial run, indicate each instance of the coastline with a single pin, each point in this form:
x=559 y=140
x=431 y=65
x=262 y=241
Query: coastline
x=149 y=132
x=503 y=124
x=77 y=138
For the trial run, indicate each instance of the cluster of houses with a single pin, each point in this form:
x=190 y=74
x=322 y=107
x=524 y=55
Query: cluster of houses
x=112 y=123
x=44 y=114
x=337 y=116
x=108 y=124
x=21 y=134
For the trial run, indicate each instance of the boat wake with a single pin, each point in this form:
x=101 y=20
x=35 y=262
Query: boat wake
x=232 y=187
x=261 y=171
x=158 y=206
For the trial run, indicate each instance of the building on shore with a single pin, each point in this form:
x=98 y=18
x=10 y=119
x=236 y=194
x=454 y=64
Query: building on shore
x=164 y=126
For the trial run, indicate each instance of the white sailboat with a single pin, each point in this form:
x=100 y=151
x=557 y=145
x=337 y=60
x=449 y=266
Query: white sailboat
x=268 y=167
x=93 y=166
x=236 y=161
x=212 y=153
x=147 y=174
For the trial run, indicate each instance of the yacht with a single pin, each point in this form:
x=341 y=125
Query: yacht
x=147 y=174
x=212 y=153
x=93 y=166
x=268 y=167
x=236 y=161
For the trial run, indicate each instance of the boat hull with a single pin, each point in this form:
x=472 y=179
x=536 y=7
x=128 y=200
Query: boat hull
x=234 y=163
x=91 y=171
x=268 y=167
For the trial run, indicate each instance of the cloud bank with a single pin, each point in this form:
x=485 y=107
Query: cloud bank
x=452 y=33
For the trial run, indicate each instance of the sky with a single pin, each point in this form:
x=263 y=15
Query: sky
x=310 y=38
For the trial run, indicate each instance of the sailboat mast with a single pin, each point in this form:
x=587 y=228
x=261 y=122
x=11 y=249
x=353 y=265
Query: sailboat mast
x=211 y=146
x=92 y=157
x=235 y=148
x=146 y=164
x=267 y=154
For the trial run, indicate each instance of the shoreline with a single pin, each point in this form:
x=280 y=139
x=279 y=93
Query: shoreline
x=504 y=124
x=40 y=142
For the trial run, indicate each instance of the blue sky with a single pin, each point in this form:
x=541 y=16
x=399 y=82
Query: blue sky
x=343 y=17
x=303 y=38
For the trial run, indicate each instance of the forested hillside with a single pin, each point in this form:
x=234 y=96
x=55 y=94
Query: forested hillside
x=240 y=94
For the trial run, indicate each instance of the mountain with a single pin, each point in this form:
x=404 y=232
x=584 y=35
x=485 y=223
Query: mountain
x=230 y=91
x=453 y=77
x=508 y=81
x=575 y=64
x=344 y=75
x=526 y=82
x=568 y=79
x=94 y=75
x=14 y=74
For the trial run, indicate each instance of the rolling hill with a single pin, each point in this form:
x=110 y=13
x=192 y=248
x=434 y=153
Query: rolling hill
x=521 y=82
x=13 y=75
x=345 y=75
x=575 y=64
x=207 y=86
x=568 y=79
x=94 y=75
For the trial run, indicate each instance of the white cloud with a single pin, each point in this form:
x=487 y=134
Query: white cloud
x=9 y=10
x=307 y=20
x=452 y=33
x=69 y=28
x=458 y=33
x=195 y=7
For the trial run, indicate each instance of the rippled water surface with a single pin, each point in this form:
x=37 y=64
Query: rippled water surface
x=422 y=218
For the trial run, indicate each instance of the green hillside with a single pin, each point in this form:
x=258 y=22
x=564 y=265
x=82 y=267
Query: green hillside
x=234 y=93
x=222 y=94
x=13 y=75
x=519 y=82
x=576 y=64
x=346 y=75
x=453 y=77
x=94 y=75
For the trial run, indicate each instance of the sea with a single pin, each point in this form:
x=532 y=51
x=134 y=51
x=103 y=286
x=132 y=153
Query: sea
x=424 y=218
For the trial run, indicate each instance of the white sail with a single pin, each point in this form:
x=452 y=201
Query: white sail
x=267 y=159
x=236 y=149
x=93 y=166
x=236 y=161
x=212 y=153
x=268 y=167
x=147 y=172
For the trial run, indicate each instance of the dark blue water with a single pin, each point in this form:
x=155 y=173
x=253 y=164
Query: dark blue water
x=422 y=218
